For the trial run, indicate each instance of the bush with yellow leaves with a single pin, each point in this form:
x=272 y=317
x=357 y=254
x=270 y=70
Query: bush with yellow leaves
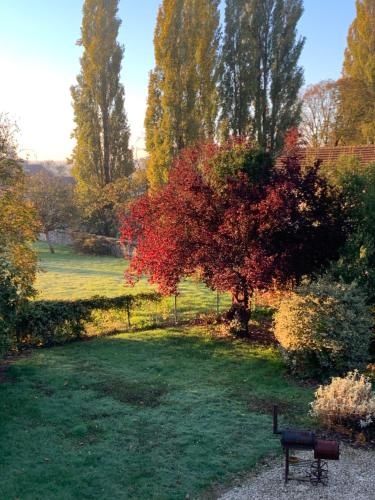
x=324 y=329
x=346 y=403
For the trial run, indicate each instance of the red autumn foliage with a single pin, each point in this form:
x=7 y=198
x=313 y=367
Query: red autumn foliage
x=230 y=215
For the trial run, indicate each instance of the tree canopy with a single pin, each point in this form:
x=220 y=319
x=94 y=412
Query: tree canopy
x=182 y=94
x=102 y=154
x=357 y=87
x=241 y=223
x=319 y=114
x=357 y=257
x=18 y=229
x=261 y=78
x=53 y=199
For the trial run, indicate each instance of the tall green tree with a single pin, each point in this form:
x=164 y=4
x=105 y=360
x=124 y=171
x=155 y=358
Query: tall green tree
x=182 y=97
x=237 y=85
x=102 y=154
x=357 y=87
x=261 y=77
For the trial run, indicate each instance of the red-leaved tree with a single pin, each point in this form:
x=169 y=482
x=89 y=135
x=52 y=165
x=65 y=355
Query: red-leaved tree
x=240 y=222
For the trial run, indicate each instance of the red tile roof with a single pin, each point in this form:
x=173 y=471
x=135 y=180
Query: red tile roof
x=366 y=154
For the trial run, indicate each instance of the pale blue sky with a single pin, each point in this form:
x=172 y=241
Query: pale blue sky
x=39 y=61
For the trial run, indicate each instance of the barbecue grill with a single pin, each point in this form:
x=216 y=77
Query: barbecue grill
x=316 y=470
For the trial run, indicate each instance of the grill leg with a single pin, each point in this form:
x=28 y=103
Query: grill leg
x=286 y=464
x=319 y=471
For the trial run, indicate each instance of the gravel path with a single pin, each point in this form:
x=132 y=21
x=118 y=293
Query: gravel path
x=352 y=478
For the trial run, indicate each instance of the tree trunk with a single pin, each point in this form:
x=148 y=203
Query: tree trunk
x=106 y=144
x=241 y=313
x=51 y=249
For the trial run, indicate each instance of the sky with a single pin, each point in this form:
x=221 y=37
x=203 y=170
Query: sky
x=39 y=61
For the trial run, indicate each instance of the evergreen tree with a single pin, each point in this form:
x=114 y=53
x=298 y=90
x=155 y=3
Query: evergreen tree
x=182 y=98
x=261 y=77
x=102 y=153
x=357 y=87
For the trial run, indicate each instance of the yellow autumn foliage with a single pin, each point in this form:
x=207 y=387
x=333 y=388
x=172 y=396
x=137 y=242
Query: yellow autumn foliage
x=324 y=329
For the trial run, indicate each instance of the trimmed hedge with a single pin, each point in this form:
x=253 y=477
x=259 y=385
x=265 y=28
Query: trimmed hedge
x=49 y=322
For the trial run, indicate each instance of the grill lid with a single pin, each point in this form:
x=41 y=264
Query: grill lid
x=300 y=439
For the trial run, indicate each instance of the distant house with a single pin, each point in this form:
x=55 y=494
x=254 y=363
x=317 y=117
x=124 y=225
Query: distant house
x=365 y=154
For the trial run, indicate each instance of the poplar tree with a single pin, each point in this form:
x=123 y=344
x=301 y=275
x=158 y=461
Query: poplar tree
x=237 y=86
x=357 y=87
x=102 y=153
x=261 y=78
x=182 y=95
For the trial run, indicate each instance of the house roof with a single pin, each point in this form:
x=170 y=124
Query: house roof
x=366 y=154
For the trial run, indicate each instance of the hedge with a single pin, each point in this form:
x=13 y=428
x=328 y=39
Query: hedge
x=48 y=322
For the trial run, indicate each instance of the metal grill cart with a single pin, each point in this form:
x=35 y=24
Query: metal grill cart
x=314 y=470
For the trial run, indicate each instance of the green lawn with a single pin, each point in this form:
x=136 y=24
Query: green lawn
x=150 y=415
x=66 y=275
x=155 y=414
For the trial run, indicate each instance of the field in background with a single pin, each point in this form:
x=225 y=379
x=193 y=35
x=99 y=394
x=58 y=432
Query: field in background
x=160 y=414
x=67 y=275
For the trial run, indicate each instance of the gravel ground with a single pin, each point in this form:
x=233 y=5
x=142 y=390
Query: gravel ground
x=351 y=478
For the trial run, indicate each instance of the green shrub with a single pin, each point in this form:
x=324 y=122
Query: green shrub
x=357 y=186
x=91 y=244
x=324 y=329
x=49 y=322
x=8 y=305
x=14 y=290
x=347 y=403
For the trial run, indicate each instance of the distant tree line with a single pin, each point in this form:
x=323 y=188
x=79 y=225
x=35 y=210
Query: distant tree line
x=209 y=82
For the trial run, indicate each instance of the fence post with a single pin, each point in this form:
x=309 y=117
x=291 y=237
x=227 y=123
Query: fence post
x=128 y=312
x=175 y=309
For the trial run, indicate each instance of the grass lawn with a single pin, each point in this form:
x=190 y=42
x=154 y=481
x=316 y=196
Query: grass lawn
x=66 y=275
x=150 y=415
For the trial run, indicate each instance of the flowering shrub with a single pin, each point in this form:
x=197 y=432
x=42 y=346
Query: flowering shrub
x=324 y=329
x=347 y=402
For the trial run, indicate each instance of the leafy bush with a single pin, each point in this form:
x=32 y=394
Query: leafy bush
x=18 y=229
x=50 y=322
x=8 y=305
x=357 y=259
x=91 y=244
x=346 y=403
x=324 y=329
